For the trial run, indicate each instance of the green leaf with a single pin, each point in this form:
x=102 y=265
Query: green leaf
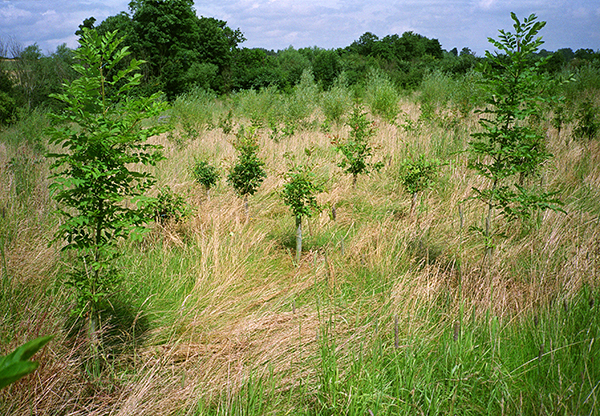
x=16 y=365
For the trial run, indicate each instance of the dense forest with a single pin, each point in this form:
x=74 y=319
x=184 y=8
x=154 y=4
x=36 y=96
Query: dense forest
x=184 y=52
x=191 y=227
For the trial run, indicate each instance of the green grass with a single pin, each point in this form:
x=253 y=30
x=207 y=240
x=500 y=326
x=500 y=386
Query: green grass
x=385 y=314
x=541 y=364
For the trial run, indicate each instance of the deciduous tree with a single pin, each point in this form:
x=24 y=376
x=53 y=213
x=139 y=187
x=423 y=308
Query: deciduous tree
x=508 y=148
x=96 y=180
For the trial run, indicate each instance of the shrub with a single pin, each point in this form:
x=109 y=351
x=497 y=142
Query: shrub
x=258 y=106
x=169 y=206
x=336 y=102
x=381 y=96
x=300 y=105
x=357 y=150
x=587 y=121
x=417 y=176
x=248 y=172
x=205 y=174
x=436 y=90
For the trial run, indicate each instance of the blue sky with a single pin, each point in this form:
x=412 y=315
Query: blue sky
x=277 y=24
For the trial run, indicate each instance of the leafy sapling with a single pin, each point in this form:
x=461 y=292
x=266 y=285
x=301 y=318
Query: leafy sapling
x=417 y=176
x=561 y=118
x=299 y=193
x=588 y=125
x=357 y=149
x=205 y=174
x=226 y=122
x=169 y=206
x=508 y=148
x=248 y=172
x=97 y=180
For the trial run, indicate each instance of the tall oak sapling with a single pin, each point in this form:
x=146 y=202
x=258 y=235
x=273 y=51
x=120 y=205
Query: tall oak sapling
x=96 y=176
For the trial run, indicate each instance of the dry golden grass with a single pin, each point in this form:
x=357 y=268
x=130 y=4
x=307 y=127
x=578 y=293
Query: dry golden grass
x=248 y=310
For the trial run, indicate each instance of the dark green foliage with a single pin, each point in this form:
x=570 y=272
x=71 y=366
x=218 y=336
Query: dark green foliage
x=408 y=47
x=588 y=124
x=8 y=100
x=8 y=109
x=293 y=64
x=248 y=172
x=16 y=364
x=169 y=206
x=357 y=149
x=418 y=175
x=326 y=67
x=202 y=75
x=205 y=174
x=254 y=69
x=120 y=22
x=170 y=36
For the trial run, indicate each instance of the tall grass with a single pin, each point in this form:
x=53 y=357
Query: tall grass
x=386 y=313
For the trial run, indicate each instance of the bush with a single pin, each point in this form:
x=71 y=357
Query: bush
x=436 y=91
x=193 y=112
x=417 y=176
x=337 y=101
x=467 y=94
x=248 y=172
x=300 y=105
x=508 y=149
x=99 y=137
x=299 y=193
x=381 y=96
x=357 y=150
x=205 y=174
x=259 y=106
x=169 y=206
x=587 y=121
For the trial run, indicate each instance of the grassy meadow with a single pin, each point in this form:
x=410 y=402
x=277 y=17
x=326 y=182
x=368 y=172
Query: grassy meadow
x=387 y=313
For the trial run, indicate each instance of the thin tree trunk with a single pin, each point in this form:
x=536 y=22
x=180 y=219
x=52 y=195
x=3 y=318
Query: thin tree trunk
x=413 y=204
x=298 y=239
x=94 y=340
x=488 y=222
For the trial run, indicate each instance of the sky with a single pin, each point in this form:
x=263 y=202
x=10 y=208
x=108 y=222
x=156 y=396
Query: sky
x=278 y=24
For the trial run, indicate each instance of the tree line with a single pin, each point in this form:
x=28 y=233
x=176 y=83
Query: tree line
x=184 y=52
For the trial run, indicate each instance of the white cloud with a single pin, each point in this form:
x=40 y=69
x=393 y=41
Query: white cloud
x=275 y=24
x=10 y=13
x=486 y=4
